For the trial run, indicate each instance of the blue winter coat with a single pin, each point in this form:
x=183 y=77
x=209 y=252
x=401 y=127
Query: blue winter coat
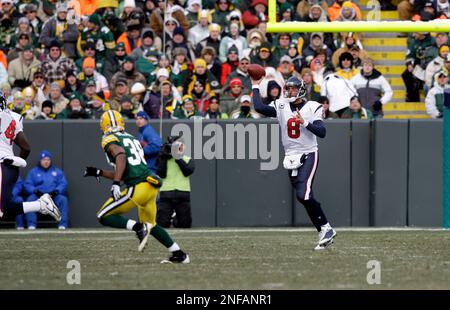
x=151 y=143
x=46 y=181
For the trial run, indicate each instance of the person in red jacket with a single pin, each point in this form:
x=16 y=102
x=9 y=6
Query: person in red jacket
x=256 y=14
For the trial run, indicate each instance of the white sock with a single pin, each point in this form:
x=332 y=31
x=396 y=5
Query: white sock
x=130 y=224
x=32 y=206
x=326 y=226
x=174 y=247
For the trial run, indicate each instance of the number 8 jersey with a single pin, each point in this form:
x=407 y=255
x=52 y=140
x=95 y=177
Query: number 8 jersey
x=295 y=137
x=10 y=126
x=136 y=170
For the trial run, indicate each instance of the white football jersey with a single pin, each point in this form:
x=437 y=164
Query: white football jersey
x=295 y=137
x=10 y=126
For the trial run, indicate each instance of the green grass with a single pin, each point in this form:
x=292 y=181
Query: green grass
x=227 y=259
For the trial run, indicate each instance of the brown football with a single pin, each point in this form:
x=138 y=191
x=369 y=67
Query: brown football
x=256 y=71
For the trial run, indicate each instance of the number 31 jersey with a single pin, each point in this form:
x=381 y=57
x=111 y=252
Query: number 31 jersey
x=136 y=170
x=10 y=126
x=295 y=137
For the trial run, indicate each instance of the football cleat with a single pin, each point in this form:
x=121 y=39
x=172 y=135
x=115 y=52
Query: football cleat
x=178 y=257
x=143 y=234
x=49 y=207
x=326 y=237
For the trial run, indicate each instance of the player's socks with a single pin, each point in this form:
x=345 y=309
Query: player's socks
x=32 y=206
x=131 y=225
x=115 y=221
x=174 y=248
x=315 y=213
x=162 y=236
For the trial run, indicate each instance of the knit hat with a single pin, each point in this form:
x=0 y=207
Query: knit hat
x=126 y=99
x=55 y=85
x=89 y=62
x=265 y=46
x=178 y=30
x=90 y=82
x=286 y=58
x=70 y=73
x=233 y=49
x=45 y=153
x=24 y=20
x=444 y=49
x=120 y=45
x=89 y=45
x=137 y=88
x=347 y=5
x=246 y=98
x=95 y=19
x=121 y=82
x=187 y=98
x=205 y=14
x=147 y=34
x=179 y=51
x=143 y=115
x=214 y=26
x=54 y=43
x=74 y=96
x=129 y=4
x=286 y=7
x=28 y=47
x=199 y=62
x=46 y=104
x=235 y=82
x=61 y=7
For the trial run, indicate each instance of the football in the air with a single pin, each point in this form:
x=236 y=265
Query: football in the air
x=256 y=71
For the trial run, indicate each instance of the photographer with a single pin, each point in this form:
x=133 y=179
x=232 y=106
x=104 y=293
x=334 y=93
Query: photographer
x=175 y=191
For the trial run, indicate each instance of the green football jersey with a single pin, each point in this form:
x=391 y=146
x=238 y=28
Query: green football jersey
x=136 y=170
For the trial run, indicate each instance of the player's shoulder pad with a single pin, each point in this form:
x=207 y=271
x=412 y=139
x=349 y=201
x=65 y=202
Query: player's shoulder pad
x=314 y=106
x=16 y=116
x=107 y=139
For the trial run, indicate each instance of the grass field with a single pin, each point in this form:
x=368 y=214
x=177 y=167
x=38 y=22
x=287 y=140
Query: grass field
x=227 y=259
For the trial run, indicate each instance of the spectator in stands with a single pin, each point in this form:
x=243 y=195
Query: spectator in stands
x=193 y=8
x=434 y=102
x=213 y=40
x=213 y=111
x=89 y=72
x=200 y=31
x=99 y=34
x=74 y=109
x=55 y=95
x=59 y=28
x=127 y=108
x=442 y=8
x=230 y=65
x=46 y=178
x=356 y=111
x=72 y=85
x=129 y=73
x=96 y=106
x=312 y=89
x=229 y=101
x=418 y=44
x=46 y=112
x=148 y=43
x=23 y=40
x=373 y=89
x=30 y=12
x=338 y=91
x=40 y=87
x=220 y=12
x=20 y=70
x=18 y=105
x=431 y=53
x=19 y=196
x=202 y=73
x=281 y=49
x=273 y=92
x=10 y=13
x=256 y=14
x=175 y=200
x=213 y=63
x=241 y=73
x=23 y=28
x=150 y=140
x=114 y=61
x=316 y=44
x=286 y=67
x=245 y=109
x=436 y=65
x=187 y=109
x=234 y=39
x=346 y=69
x=264 y=56
x=56 y=66
x=348 y=13
x=304 y=10
x=327 y=114
x=121 y=89
x=7 y=26
x=200 y=96
x=152 y=101
x=335 y=10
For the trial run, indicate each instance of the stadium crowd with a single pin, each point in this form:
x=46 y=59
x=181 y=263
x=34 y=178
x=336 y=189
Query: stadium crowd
x=78 y=58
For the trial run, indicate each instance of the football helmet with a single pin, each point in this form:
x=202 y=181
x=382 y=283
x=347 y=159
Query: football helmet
x=112 y=121
x=294 y=81
x=3 y=102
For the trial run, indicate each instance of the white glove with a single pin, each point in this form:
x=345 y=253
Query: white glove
x=115 y=191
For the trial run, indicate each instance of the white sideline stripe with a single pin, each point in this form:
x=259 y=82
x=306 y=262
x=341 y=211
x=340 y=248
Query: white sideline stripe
x=214 y=230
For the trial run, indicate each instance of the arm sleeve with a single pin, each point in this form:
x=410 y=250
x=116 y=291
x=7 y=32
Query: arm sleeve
x=161 y=165
x=318 y=128
x=187 y=168
x=387 y=96
x=260 y=107
x=62 y=183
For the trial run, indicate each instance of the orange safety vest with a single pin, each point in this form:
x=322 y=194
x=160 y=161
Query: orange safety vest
x=124 y=39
